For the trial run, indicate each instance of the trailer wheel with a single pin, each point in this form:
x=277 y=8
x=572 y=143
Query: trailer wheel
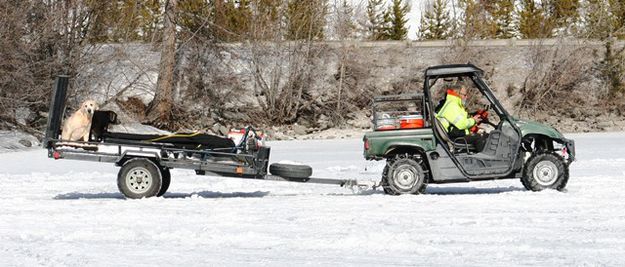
x=404 y=176
x=290 y=170
x=139 y=178
x=166 y=180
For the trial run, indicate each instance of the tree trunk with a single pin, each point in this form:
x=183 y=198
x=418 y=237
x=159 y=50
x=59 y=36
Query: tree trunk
x=159 y=112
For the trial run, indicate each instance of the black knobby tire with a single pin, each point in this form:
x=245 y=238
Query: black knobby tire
x=290 y=170
x=385 y=186
x=545 y=170
x=139 y=178
x=166 y=180
x=404 y=176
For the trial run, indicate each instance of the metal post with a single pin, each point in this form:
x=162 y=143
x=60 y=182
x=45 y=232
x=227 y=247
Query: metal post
x=57 y=107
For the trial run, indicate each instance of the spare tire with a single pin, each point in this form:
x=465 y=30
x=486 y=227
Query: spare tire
x=290 y=170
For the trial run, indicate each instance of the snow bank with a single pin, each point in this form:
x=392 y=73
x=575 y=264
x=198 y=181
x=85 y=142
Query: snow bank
x=14 y=140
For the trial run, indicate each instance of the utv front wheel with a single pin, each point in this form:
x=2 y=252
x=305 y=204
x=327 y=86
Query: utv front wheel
x=545 y=171
x=404 y=176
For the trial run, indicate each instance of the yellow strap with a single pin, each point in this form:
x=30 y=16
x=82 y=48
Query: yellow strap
x=173 y=135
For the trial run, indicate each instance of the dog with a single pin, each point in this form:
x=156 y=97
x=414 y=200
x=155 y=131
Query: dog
x=77 y=126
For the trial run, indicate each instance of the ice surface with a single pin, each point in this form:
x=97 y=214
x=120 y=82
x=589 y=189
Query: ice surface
x=70 y=213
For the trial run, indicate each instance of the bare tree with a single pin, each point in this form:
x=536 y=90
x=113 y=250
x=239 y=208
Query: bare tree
x=159 y=111
x=38 y=40
x=285 y=71
x=557 y=71
x=344 y=28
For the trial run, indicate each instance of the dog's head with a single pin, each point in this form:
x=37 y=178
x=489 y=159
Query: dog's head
x=89 y=107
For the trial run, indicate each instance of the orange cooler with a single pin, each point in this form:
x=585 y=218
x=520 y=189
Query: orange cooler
x=411 y=122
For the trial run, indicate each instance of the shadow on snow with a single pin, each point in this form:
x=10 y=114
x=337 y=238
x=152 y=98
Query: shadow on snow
x=471 y=190
x=202 y=194
x=260 y=194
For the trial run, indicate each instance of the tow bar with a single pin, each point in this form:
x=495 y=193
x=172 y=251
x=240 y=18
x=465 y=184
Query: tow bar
x=353 y=184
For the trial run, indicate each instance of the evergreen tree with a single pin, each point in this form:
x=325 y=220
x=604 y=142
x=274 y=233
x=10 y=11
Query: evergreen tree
x=224 y=20
x=563 y=13
x=231 y=19
x=386 y=25
x=598 y=20
x=435 y=21
x=396 y=15
x=604 y=19
x=192 y=16
x=376 y=24
x=502 y=13
x=617 y=9
x=241 y=19
x=125 y=21
x=476 y=22
x=533 y=21
x=267 y=19
x=305 y=19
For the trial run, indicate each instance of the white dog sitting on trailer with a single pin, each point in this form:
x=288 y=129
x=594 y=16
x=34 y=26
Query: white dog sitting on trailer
x=77 y=126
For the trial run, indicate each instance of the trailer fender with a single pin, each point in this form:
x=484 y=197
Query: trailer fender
x=133 y=154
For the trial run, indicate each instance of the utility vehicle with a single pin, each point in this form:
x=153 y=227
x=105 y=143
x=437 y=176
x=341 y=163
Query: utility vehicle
x=420 y=152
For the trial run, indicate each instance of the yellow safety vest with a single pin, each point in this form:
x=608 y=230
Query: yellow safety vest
x=453 y=112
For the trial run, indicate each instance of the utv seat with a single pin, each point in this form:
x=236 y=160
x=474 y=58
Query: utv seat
x=457 y=146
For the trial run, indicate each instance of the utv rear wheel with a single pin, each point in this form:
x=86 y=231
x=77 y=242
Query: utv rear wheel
x=545 y=171
x=385 y=186
x=139 y=178
x=404 y=176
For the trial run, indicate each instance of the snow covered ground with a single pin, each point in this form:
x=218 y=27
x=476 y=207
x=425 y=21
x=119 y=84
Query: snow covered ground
x=69 y=213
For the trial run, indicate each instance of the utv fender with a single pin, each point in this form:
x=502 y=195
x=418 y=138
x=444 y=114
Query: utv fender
x=538 y=142
x=404 y=149
x=529 y=128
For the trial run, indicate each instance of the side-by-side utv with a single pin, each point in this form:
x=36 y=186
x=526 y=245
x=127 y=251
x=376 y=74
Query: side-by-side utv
x=418 y=150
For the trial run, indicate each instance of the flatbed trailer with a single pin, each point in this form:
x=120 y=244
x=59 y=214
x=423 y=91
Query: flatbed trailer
x=145 y=165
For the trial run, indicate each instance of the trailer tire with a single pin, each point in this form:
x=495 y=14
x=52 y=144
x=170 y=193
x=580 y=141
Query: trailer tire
x=290 y=170
x=139 y=178
x=166 y=180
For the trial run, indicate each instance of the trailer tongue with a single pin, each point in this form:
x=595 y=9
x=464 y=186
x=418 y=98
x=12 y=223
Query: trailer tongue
x=145 y=160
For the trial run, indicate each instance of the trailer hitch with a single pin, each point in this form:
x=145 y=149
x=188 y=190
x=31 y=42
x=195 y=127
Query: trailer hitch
x=358 y=186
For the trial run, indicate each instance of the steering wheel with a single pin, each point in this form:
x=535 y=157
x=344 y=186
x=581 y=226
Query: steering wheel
x=483 y=113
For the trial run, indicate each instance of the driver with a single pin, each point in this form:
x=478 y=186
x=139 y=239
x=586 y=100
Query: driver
x=456 y=120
